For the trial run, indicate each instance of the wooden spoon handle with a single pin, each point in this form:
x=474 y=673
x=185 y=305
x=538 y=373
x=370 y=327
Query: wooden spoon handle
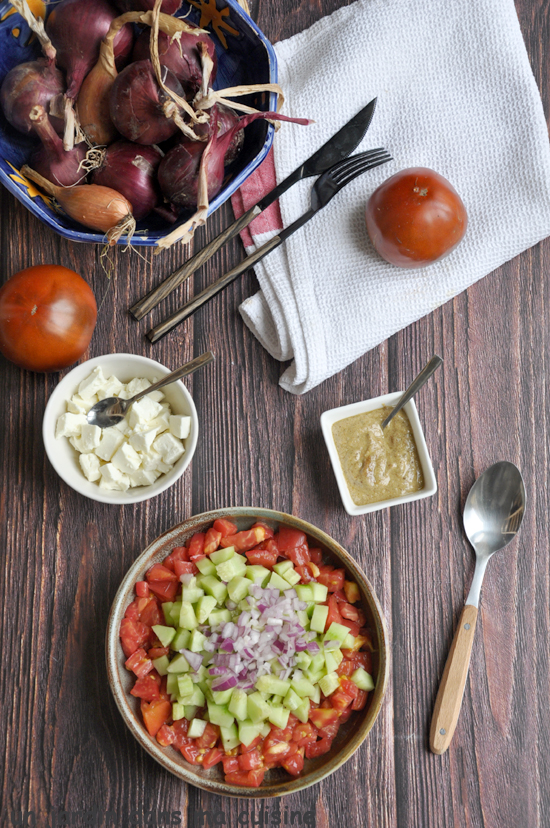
x=449 y=696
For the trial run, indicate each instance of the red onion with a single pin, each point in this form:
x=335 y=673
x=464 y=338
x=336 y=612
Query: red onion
x=194 y=659
x=179 y=169
x=136 y=104
x=180 y=54
x=226 y=120
x=76 y=28
x=167 y=7
x=131 y=170
x=51 y=160
x=28 y=85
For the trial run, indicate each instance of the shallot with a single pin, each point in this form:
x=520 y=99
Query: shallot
x=36 y=83
x=52 y=161
x=131 y=170
x=179 y=53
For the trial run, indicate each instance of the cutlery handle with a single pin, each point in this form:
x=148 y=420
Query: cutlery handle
x=184 y=371
x=451 y=690
x=202 y=298
x=160 y=292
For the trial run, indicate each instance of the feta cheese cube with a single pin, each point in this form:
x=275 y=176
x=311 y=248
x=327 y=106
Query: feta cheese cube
x=126 y=459
x=111 y=440
x=111 y=388
x=152 y=461
x=91 y=385
x=89 y=464
x=156 y=396
x=143 y=411
x=69 y=425
x=112 y=478
x=142 y=440
x=169 y=447
x=76 y=405
x=143 y=478
x=90 y=436
x=180 y=426
x=161 y=423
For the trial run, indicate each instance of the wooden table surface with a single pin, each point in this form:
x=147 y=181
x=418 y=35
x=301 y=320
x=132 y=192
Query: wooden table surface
x=68 y=756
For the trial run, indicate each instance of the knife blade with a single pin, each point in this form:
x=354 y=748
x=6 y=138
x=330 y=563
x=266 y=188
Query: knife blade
x=342 y=144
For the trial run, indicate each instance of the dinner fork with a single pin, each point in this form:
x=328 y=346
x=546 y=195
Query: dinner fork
x=324 y=189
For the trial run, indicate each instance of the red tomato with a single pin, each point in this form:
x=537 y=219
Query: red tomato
x=212 y=541
x=360 y=700
x=225 y=527
x=166 y=735
x=230 y=764
x=192 y=753
x=142 y=589
x=47 y=317
x=147 y=688
x=196 y=546
x=212 y=757
x=246 y=540
x=210 y=736
x=315 y=749
x=290 y=539
x=139 y=663
x=294 y=764
x=155 y=714
x=249 y=761
x=248 y=779
x=262 y=556
x=415 y=217
x=133 y=635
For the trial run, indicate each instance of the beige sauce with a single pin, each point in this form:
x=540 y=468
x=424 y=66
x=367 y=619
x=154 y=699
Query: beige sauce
x=378 y=464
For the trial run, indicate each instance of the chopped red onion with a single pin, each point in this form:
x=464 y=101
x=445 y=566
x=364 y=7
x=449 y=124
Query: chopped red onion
x=194 y=659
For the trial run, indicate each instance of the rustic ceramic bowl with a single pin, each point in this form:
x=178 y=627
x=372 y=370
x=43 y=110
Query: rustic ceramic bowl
x=277 y=782
x=249 y=58
x=124 y=367
x=328 y=418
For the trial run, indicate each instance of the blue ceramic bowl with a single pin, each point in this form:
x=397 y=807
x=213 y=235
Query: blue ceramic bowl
x=249 y=58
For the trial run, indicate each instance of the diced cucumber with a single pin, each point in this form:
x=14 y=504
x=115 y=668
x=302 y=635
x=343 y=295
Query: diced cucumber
x=221 y=555
x=196 y=728
x=258 y=574
x=362 y=679
x=265 y=730
x=191 y=594
x=276 y=582
x=272 y=685
x=188 y=619
x=190 y=711
x=161 y=665
x=349 y=642
x=303 y=660
x=219 y=616
x=164 y=634
x=181 y=640
x=319 y=618
x=238 y=588
x=292 y=700
x=332 y=659
x=303 y=687
x=282 y=567
x=178 y=711
x=336 y=632
x=320 y=592
x=329 y=683
x=278 y=715
x=222 y=696
x=317 y=697
x=232 y=568
x=213 y=586
x=172 y=684
x=185 y=685
x=230 y=737
x=303 y=618
x=175 y=613
x=196 y=697
x=238 y=704
x=304 y=592
x=166 y=610
x=257 y=707
x=302 y=711
x=196 y=641
x=220 y=715
x=204 y=607
x=248 y=731
x=292 y=577
x=317 y=662
x=205 y=566
x=179 y=664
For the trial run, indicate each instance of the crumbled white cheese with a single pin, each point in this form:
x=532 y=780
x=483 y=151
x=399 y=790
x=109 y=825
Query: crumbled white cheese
x=137 y=450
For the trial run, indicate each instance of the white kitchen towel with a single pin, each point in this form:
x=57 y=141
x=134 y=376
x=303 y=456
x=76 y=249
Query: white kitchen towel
x=455 y=93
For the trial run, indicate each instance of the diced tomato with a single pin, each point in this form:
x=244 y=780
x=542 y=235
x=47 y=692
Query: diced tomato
x=352 y=626
x=349 y=687
x=316 y=556
x=360 y=641
x=244 y=541
x=323 y=716
x=142 y=589
x=150 y=612
x=225 y=527
x=318 y=748
x=269 y=531
x=210 y=736
x=345 y=714
x=185 y=568
x=253 y=744
x=180 y=728
x=192 y=754
x=196 y=546
x=166 y=735
x=212 y=541
x=299 y=555
x=352 y=592
x=294 y=764
x=290 y=539
x=249 y=761
x=262 y=556
x=333 y=612
x=305 y=574
x=340 y=700
x=147 y=688
x=304 y=733
x=345 y=668
x=133 y=635
x=157 y=652
x=247 y=779
x=331 y=578
x=163 y=582
x=230 y=764
x=361 y=659
x=178 y=553
x=139 y=663
x=212 y=757
x=340 y=595
x=360 y=700
x=155 y=714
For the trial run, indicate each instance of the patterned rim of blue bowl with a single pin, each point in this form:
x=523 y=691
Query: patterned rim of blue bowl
x=36 y=208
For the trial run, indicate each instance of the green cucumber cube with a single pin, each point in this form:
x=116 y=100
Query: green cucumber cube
x=219 y=616
x=317 y=662
x=319 y=618
x=248 y=731
x=302 y=711
x=219 y=714
x=237 y=588
x=188 y=619
x=276 y=582
x=181 y=640
x=257 y=708
x=175 y=613
x=349 y=642
x=303 y=618
x=213 y=586
x=166 y=610
x=204 y=607
x=303 y=687
x=221 y=696
x=329 y=683
x=238 y=704
x=232 y=568
x=272 y=685
x=222 y=555
x=191 y=594
x=196 y=641
x=205 y=566
x=362 y=679
x=230 y=737
x=336 y=632
x=179 y=664
x=317 y=697
x=303 y=660
x=190 y=711
x=278 y=716
x=258 y=574
x=292 y=700
x=178 y=711
x=304 y=592
x=320 y=592
x=172 y=684
x=292 y=577
x=265 y=729
x=282 y=567
x=161 y=665
x=332 y=659
x=196 y=728
x=185 y=685
x=164 y=634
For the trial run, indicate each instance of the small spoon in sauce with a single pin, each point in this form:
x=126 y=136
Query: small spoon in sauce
x=415 y=385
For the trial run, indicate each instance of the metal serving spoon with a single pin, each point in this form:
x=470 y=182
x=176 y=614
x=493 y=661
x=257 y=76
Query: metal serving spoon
x=415 y=386
x=493 y=514
x=112 y=410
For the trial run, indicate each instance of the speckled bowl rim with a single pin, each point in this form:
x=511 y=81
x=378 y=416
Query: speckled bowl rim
x=156 y=551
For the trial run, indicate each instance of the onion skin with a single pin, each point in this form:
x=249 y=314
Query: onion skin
x=52 y=161
x=76 y=28
x=167 y=7
x=226 y=119
x=131 y=170
x=28 y=85
x=181 y=56
x=136 y=104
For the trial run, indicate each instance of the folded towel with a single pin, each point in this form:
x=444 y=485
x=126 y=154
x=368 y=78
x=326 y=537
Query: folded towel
x=455 y=93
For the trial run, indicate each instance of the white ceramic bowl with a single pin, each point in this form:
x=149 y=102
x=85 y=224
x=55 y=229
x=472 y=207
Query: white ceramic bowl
x=328 y=418
x=125 y=367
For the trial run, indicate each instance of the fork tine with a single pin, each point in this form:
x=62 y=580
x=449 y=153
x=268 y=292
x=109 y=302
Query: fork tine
x=352 y=173
x=357 y=162
x=346 y=162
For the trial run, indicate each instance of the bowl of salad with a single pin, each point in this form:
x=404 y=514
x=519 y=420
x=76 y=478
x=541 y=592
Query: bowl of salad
x=247 y=652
